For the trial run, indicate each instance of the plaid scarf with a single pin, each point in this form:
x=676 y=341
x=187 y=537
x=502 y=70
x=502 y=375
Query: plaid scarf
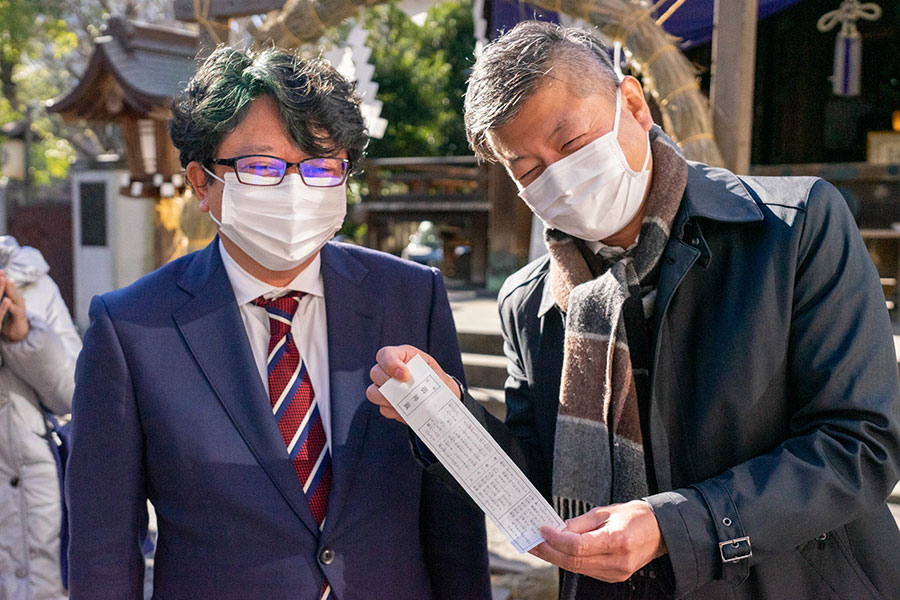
x=599 y=454
x=599 y=449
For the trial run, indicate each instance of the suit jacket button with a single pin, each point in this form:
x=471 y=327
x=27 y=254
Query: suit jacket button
x=14 y=482
x=21 y=573
x=326 y=556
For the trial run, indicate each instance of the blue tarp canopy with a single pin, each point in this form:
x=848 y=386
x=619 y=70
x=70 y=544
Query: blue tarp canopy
x=692 y=22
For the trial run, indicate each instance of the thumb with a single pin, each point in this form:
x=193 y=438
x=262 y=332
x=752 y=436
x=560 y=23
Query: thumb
x=392 y=360
x=589 y=521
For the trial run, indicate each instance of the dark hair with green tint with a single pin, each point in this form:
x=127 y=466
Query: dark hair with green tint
x=317 y=104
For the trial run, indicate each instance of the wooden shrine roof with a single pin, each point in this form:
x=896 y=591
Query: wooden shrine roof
x=136 y=67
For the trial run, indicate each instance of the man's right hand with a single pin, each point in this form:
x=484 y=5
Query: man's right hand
x=391 y=362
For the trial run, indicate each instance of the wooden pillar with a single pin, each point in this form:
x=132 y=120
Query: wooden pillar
x=509 y=227
x=134 y=155
x=167 y=161
x=478 y=267
x=731 y=88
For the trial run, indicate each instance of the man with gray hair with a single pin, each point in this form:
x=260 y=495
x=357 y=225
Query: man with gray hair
x=701 y=370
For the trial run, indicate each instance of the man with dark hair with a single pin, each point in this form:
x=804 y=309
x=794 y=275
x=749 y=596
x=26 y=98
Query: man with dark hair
x=701 y=370
x=228 y=387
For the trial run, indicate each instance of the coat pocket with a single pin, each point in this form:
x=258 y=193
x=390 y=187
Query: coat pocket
x=830 y=557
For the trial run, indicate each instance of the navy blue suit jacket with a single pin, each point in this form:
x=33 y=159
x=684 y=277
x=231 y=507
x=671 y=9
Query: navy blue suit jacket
x=169 y=406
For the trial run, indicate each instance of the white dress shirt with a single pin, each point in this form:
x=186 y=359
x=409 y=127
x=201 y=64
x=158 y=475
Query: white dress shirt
x=609 y=251
x=309 y=327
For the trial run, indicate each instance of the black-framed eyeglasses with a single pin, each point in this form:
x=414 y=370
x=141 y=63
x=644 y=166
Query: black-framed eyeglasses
x=262 y=169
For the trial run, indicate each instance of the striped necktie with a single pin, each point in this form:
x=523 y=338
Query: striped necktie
x=294 y=405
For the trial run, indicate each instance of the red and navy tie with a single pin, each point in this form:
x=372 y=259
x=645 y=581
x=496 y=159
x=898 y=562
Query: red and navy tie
x=295 y=408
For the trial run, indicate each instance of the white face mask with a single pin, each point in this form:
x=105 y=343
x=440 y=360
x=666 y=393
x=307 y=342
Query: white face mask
x=280 y=226
x=593 y=193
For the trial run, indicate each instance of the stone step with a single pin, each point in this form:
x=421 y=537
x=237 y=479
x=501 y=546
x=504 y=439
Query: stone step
x=518 y=576
x=480 y=342
x=484 y=370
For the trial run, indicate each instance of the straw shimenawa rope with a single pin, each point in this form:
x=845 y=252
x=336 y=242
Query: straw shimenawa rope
x=201 y=13
x=667 y=75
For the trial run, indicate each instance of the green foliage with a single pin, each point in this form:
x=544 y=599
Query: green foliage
x=421 y=74
x=33 y=30
x=44 y=47
x=25 y=22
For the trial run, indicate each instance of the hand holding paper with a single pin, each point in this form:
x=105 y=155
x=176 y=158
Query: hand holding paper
x=391 y=363
x=470 y=454
x=609 y=543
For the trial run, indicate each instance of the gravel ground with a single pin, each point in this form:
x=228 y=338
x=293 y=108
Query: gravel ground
x=518 y=576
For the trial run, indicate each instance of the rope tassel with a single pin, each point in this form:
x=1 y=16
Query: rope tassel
x=848 y=44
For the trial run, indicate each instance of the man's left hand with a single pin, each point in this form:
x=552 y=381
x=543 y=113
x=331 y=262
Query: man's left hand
x=609 y=543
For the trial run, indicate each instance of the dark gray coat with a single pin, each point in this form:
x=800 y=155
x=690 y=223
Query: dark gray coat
x=775 y=402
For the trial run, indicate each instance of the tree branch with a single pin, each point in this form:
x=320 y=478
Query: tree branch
x=9 y=87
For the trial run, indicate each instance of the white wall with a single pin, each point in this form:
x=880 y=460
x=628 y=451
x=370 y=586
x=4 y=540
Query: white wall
x=133 y=254
x=128 y=252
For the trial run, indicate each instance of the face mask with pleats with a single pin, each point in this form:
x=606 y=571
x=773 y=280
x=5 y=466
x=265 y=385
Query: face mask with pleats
x=593 y=193
x=280 y=226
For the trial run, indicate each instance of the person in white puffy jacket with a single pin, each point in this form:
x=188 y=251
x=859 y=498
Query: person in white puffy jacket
x=38 y=348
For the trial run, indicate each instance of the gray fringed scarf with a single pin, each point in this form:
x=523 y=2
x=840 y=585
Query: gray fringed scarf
x=599 y=449
x=599 y=454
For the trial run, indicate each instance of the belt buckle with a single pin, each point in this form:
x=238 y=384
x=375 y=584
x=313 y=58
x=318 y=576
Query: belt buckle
x=732 y=548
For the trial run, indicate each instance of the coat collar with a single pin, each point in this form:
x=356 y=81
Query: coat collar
x=201 y=267
x=548 y=300
x=719 y=195
x=712 y=192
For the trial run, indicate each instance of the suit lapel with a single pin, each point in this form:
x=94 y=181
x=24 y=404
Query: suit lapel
x=214 y=332
x=354 y=327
